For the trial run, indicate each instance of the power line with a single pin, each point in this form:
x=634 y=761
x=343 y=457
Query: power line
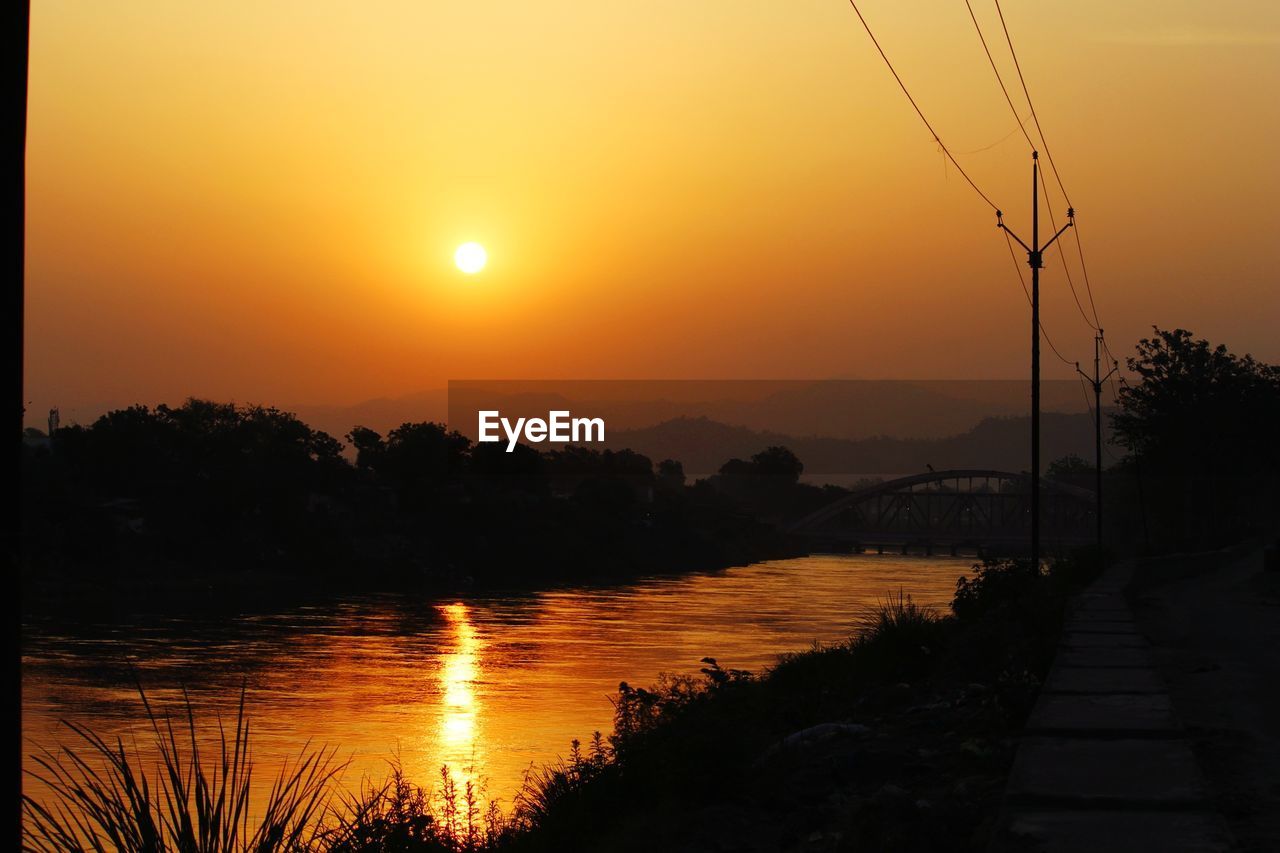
x=998 y=141
x=1085 y=269
x=1095 y=384
x=999 y=79
x=1035 y=251
x=919 y=112
x=1047 y=153
x=1115 y=391
x=1017 y=267
x=1067 y=270
x=1031 y=142
x=1106 y=348
x=1035 y=260
x=1084 y=390
x=1021 y=125
x=1009 y=39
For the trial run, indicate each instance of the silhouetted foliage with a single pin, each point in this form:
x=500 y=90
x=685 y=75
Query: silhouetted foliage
x=1200 y=425
x=612 y=480
x=769 y=485
x=777 y=466
x=771 y=468
x=104 y=796
x=212 y=488
x=416 y=460
x=1005 y=607
x=670 y=475
x=1191 y=395
x=369 y=447
x=201 y=483
x=1068 y=467
x=496 y=471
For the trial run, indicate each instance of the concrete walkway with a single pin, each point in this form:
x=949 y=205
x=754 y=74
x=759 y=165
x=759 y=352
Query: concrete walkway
x=1103 y=764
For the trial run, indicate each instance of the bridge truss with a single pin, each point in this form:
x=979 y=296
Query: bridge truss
x=977 y=510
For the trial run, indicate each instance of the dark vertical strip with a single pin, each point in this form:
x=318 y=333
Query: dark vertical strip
x=18 y=28
x=1034 y=255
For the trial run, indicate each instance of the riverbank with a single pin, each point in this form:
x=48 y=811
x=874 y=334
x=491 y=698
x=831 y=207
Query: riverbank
x=898 y=740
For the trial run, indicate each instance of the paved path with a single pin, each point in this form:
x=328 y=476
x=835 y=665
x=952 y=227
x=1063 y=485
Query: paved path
x=1104 y=764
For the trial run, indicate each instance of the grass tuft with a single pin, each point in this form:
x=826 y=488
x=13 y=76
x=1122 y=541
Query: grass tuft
x=103 y=799
x=899 y=639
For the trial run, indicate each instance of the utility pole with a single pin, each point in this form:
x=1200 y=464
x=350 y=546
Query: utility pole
x=1096 y=381
x=1035 y=255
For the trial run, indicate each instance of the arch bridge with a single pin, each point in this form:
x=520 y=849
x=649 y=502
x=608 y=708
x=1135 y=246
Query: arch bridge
x=975 y=510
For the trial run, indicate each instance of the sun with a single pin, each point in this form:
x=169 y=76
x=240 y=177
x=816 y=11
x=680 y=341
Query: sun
x=471 y=258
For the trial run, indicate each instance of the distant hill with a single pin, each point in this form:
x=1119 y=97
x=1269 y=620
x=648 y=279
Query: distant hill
x=381 y=414
x=847 y=409
x=703 y=445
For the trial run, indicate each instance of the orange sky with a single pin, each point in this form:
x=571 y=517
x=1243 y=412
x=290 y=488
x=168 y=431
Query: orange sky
x=260 y=201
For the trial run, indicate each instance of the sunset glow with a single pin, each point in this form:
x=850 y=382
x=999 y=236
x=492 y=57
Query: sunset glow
x=252 y=180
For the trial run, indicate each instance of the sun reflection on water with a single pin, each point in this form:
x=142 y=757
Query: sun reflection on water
x=459 y=670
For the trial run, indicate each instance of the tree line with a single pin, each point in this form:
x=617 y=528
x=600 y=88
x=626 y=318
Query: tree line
x=210 y=487
x=216 y=488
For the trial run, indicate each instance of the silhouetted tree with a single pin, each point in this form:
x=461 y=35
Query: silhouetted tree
x=778 y=466
x=613 y=480
x=670 y=475
x=1068 y=467
x=205 y=478
x=369 y=447
x=1191 y=395
x=1203 y=422
x=418 y=460
x=767 y=484
x=493 y=470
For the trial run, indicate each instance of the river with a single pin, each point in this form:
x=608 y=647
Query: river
x=488 y=684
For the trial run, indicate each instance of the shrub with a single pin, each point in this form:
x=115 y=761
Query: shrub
x=399 y=816
x=899 y=639
x=995 y=584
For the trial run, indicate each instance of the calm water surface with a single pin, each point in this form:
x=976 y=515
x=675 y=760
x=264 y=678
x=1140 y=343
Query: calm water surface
x=488 y=684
